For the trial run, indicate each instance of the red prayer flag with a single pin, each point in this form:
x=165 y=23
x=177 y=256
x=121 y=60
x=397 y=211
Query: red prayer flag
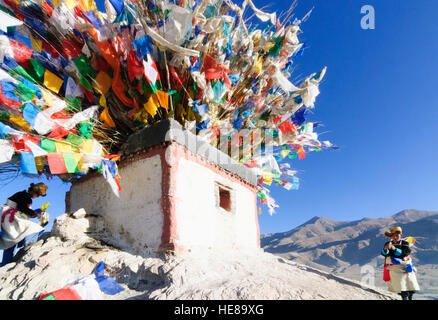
x=58 y=132
x=21 y=53
x=19 y=145
x=48 y=47
x=301 y=153
x=71 y=49
x=56 y=163
x=135 y=67
x=285 y=127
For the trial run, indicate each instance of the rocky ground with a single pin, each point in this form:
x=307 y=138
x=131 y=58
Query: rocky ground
x=77 y=244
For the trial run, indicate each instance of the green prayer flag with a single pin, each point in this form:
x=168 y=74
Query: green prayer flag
x=74 y=139
x=21 y=72
x=86 y=84
x=24 y=92
x=265 y=115
x=275 y=50
x=49 y=297
x=292 y=155
x=48 y=145
x=84 y=66
x=10 y=29
x=74 y=104
x=85 y=130
x=70 y=162
x=36 y=70
x=153 y=87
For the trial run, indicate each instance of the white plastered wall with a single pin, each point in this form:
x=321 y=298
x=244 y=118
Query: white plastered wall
x=135 y=220
x=200 y=222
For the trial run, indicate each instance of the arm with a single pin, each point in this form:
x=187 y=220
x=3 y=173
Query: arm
x=385 y=250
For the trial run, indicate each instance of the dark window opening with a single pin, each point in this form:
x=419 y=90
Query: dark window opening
x=225 y=199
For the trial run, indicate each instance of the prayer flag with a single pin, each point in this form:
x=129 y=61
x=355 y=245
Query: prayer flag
x=301 y=153
x=104 y=82
x=30 y=113
x=152 y=105
x=52 y=82
x=74 y=139
x=6 y=150
x=70 y=162
x=63 y=147
x=106 y=118
x=56 y=163
x=150 y=69
x=28 y=163
x=48 y=145
x=163 y=98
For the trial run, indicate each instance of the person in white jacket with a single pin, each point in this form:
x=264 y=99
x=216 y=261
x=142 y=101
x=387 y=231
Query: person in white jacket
x=15 y=224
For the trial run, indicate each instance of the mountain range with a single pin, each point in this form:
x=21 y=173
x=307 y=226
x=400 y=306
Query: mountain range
x=351 y=249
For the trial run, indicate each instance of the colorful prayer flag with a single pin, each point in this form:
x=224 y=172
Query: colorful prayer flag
x=56 y=163
x=52 y=82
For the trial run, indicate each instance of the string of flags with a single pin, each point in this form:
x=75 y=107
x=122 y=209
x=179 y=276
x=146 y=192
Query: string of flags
x=78 y=77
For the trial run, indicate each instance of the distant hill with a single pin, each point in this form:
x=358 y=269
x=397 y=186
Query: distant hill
x=344 y=247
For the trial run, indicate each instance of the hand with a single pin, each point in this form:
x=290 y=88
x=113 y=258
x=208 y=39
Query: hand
x=391 y=247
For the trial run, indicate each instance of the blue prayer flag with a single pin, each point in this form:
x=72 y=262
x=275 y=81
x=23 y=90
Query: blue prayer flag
x=30 y=113
x=107 y=284
x=118 y=5
x=100 y=4
x=28 y=163
x=202 y=125
x=4 y=129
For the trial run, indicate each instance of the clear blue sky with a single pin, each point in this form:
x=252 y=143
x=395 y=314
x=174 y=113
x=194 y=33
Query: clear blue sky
x=378 y=103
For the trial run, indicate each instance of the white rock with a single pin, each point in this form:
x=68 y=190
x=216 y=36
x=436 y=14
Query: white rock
x=73 y=250
x=79 y=214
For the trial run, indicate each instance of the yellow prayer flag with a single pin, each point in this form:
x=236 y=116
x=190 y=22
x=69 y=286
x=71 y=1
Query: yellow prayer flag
x=258 y=62
x=47 y=97
x=268 y=46
x=36 y=44
x=284 y=153
x=39 y=163
x=103 y=82
x=106 y=118
x=52 y=82
x=267 y=178
x=70 y=3
x=18 y=120
x=80 y=160
x=87 y=146
x=152 y=105
x=141 y=115
x=102 y=101
x=63 y=147
x=88 y=5
x=163 y=98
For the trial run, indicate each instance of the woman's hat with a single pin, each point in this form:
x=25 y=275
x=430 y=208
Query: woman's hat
x=392 y=231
